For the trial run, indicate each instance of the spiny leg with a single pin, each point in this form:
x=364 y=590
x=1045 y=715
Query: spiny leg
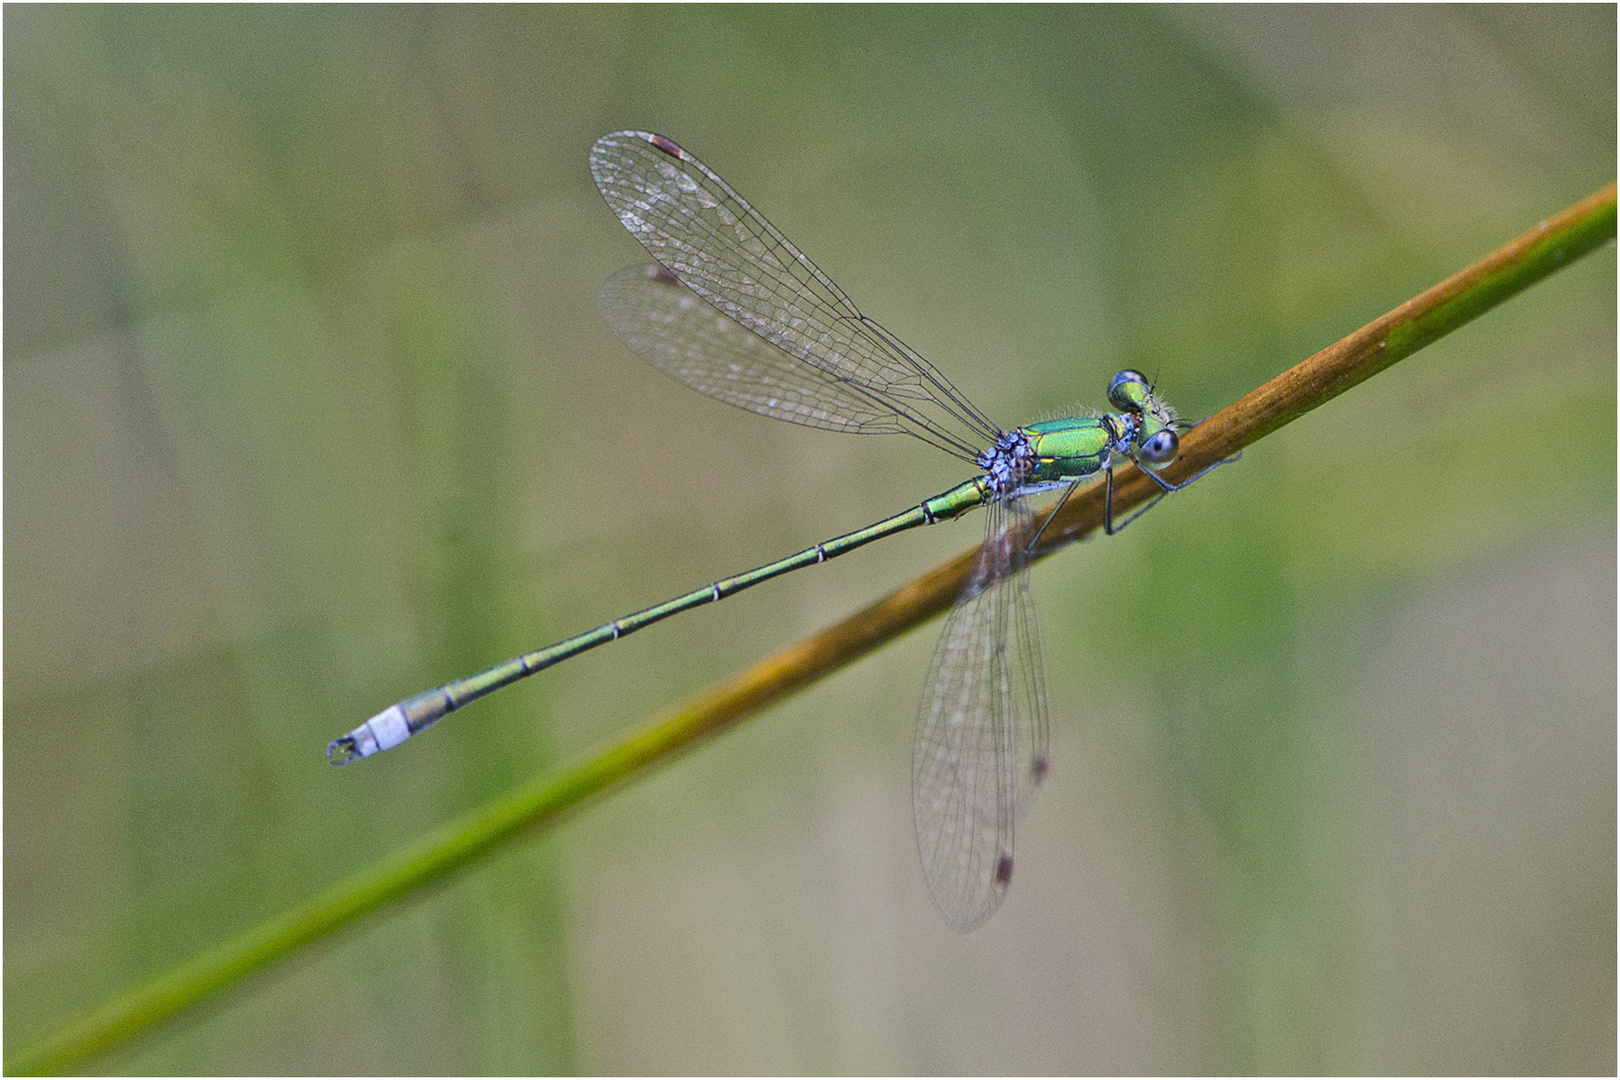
x=1168 y=489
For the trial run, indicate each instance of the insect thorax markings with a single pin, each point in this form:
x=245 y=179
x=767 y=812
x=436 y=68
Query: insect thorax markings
x=1063 y=451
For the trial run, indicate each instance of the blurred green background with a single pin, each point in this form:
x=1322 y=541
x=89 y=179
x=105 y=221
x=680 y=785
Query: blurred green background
x=308 y=408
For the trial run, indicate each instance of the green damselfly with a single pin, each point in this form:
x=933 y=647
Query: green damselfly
x=733 y=310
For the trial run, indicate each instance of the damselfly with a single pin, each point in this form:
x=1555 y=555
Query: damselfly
x=735 y=311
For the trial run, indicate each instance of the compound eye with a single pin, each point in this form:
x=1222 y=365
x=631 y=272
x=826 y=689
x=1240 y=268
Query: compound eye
x=1128 y=390
x=1161 y=449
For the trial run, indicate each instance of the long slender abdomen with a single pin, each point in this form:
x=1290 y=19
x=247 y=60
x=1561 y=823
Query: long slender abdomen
x=416 y=714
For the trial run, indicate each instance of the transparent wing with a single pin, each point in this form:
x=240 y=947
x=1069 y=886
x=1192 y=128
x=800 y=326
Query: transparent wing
x=981 y=745
x=719 y=246
x=674 y=330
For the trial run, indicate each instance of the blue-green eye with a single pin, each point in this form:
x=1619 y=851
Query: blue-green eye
x=1128 y=390
x=1161 y=449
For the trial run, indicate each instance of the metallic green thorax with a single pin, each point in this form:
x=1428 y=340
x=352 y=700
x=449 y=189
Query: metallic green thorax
x=1071 y=448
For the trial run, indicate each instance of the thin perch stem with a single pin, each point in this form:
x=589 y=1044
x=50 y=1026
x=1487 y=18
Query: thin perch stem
x=1394 y=336
x=1421 y=320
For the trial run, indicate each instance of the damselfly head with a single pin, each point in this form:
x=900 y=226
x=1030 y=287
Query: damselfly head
x=1152 y=422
